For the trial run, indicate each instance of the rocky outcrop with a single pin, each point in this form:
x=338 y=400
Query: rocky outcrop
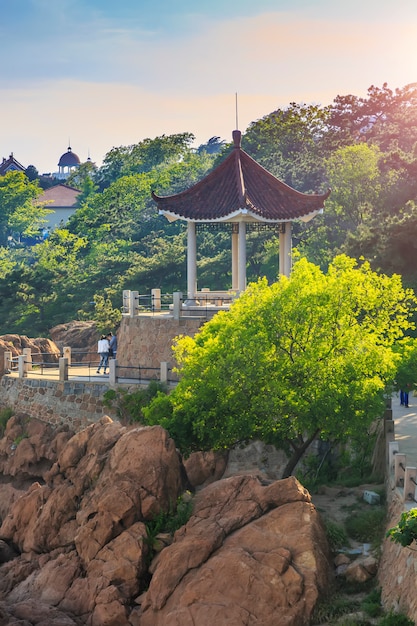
x=250 y=554
x=42 y=350
x=75 y=547
x=80 y=336
x=204 y=468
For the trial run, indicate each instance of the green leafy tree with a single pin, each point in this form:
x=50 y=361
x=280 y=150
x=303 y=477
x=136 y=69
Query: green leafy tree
x=143 y=157
x=84 y=172
x=18 y=212
x=31 y=172
x=406 y=377
x=289 y=143
x=304 y=358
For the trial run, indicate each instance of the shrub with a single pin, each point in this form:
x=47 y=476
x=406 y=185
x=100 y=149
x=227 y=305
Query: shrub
x=5 y=415
x=406 y=530
x=372 y=603
x=331 y=609
x=168 y=521
x=367 y=525
x=129 y=406
x=336 y=535
x=396 y=619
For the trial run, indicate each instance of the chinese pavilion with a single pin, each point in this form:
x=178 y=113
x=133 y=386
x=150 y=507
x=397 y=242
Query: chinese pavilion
x=243 y=195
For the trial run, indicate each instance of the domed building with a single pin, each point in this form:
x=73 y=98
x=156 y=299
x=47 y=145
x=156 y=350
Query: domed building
x=67 y=163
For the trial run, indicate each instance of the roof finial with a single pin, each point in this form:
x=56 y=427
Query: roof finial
x=237 y=119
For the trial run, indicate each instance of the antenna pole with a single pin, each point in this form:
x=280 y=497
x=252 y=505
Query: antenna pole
x=237 y=120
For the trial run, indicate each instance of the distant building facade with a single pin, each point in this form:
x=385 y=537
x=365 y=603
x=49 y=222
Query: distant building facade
x=11 y=165
x=62 y=200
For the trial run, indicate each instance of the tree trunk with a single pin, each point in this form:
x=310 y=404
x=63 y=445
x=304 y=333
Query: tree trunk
x=298 y=454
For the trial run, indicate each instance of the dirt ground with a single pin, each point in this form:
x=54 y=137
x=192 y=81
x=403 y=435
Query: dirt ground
x=335 y=504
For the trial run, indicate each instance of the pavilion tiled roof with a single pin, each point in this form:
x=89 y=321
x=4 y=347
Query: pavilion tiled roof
x=239 y=185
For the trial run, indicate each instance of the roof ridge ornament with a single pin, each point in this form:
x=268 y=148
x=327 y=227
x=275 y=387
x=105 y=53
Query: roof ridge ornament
x=237 y=138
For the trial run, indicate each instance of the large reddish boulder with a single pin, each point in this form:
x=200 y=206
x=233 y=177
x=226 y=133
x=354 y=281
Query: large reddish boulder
x=80 y=336
x=250 y=554
x=81 y=530
x=75 y=547
x=204 y=468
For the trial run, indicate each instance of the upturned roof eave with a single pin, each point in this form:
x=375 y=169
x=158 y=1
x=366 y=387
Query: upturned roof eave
x=243 y=215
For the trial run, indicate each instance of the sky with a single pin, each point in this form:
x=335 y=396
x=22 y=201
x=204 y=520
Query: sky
x=98 y=74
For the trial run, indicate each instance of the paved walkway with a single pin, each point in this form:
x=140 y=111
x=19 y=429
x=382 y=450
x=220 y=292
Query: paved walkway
x=405 y=420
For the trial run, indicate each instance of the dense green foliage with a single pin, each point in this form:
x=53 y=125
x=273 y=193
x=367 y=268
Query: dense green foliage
x=405 y=532
x=365 y=149
x=306 y=357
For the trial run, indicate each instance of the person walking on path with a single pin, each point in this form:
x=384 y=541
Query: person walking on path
x=113 y=345
x=103 y=347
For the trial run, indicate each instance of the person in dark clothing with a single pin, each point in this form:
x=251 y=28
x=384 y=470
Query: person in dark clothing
x=112 y=345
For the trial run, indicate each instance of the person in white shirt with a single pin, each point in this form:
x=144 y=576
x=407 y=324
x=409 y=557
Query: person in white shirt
x=103 y=350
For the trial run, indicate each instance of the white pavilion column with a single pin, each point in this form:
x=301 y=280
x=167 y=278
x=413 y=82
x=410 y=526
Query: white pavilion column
x=235 y=258
x=242 y=257
x=285 y=250
x=191 y=261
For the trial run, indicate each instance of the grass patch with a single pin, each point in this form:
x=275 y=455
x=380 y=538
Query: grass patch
x=371 y=605
x=331 y=609
x=336 y=535
x=395 y=619
x=366 y=525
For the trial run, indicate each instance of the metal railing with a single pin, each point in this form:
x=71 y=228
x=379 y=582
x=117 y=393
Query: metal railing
x=84 y=368
x=205 y=303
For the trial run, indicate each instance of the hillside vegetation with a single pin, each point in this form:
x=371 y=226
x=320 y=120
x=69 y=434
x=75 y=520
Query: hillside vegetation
x=364 y=149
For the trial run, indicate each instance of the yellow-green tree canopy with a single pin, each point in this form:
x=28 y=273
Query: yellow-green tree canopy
x=306 y=357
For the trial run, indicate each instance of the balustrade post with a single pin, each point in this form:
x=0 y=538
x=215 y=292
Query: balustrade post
x=28 y=358
x=126 y=302
x=399 y=469
x=410 y=483
x=21 y=366
x=134 y=303
x=156 y=299
x=66 y=353
x=7 y=362
x=63 y=369
x=177 y=302
x=112 y=372
x=164 y=372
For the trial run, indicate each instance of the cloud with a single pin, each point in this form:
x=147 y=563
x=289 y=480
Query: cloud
x=103 y=82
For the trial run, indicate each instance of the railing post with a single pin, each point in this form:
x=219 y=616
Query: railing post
x=66 y=353
x=27 y=352
x=112 y=372
x=133 y=303
x=177 y=300
x=63 y=369
x=7 y=362
x=126 y=302
x=393 y=449
x=21 y=366
x=156 y=299
x=410 y=483
x=164 y=372
x=399 y=469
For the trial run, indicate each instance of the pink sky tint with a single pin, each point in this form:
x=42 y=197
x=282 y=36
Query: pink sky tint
x=188 y=84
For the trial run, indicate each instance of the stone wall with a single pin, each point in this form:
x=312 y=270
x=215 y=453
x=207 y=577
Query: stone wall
x=143 y=340
x=397 y=572
x=147 y=340
x=77 y=404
